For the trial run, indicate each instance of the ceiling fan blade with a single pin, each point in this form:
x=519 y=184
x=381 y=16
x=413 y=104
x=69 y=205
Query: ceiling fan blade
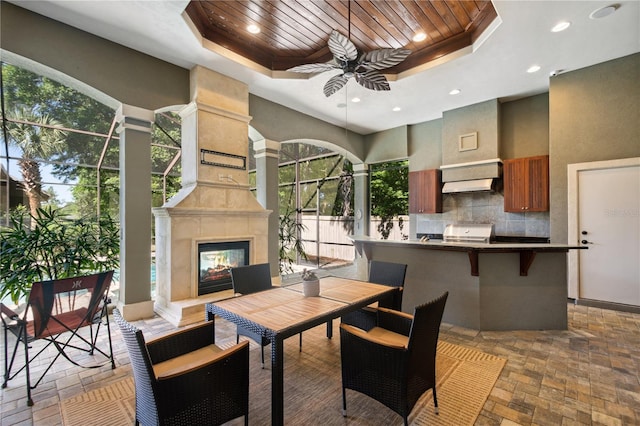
x=334 y=84
x=312 y=68
x=342 y=48
x=383 y=58
x=372 y=80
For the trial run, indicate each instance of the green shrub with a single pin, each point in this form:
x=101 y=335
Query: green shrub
x=51 y=246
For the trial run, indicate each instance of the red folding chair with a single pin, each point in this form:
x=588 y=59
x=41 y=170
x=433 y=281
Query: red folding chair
x=55 y=312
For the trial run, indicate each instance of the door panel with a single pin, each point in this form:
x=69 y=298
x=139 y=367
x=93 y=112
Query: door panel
x=609 y=225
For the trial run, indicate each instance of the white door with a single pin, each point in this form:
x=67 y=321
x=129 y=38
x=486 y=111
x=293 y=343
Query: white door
x=609 y=225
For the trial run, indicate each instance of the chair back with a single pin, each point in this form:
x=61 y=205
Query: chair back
x=251 y=278
x=391 y=274
x=425 y=329
x=143 y=377
x=56 y=306
x=387 y=273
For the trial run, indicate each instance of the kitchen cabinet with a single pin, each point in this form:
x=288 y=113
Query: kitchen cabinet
x=526 y=184
x=425 y=191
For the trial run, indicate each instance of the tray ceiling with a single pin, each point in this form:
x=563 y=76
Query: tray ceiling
x=295 y=32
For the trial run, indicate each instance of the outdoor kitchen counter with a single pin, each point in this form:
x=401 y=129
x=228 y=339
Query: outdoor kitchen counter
x=501 y=286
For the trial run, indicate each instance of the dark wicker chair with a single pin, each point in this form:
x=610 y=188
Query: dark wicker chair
x=387 y=273
x=393 y=363
x=251 y=279
x=184 y=379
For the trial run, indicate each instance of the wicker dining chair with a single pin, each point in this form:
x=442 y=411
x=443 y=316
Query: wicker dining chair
x=184 y=379
x=249 y=279
x=246 y=280
x=394 y=362
x=386 y=273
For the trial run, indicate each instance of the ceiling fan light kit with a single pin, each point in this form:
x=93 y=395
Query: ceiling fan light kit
x=365 y=68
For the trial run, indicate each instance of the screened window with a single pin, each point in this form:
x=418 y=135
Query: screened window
x=389 y=190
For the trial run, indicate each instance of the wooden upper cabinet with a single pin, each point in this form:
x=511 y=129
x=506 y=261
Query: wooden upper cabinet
x=425 y=191
x=526 y=184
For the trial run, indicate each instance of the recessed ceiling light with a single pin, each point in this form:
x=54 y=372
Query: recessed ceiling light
x=454 y=91
x=533 y=68
x=396 y=109
x=604 y=11
x=355 y=100
x=253 y=28
x=419 y=36
x=560 y=26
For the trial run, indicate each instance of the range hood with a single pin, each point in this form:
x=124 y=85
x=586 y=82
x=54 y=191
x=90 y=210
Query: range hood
x=475 y=176
x=471 y=148
x=475 y=185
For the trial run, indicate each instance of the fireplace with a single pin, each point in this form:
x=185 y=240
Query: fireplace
x=215 y=261
x=214 y=204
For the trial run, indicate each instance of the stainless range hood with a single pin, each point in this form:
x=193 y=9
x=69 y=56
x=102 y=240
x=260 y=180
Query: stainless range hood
x=475 y=185
x=473 y=176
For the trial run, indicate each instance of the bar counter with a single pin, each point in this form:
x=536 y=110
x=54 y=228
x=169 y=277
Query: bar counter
x=502 y=286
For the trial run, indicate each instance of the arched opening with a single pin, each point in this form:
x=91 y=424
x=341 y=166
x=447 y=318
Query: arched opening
x=60 y=151
x=315 y=205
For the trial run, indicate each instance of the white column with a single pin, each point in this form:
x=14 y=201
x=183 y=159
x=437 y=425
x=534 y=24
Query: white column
x=267 y=154
x=361 y=199
x=134 y=128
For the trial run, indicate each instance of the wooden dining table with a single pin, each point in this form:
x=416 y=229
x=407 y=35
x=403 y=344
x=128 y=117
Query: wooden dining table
x=282 y=312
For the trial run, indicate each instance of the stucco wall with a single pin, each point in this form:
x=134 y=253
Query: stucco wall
x=483 y=118
x=524 y=127
x=425 y=145
x=278 y=123
x=71 y=56
x=594 y=115
x=387 y=145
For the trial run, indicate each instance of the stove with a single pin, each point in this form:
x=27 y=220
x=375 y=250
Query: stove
x=469 y=233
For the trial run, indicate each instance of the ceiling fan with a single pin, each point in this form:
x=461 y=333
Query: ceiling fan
x=365 y=68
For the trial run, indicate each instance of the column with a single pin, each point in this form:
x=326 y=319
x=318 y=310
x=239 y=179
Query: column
x=267 y=155
x=361 y=213
x=361 y=199
x=134 y=129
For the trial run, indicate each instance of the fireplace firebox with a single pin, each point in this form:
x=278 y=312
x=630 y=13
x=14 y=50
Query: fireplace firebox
x=215 y=261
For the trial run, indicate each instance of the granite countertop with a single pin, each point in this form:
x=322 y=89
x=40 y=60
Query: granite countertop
x=438 y=244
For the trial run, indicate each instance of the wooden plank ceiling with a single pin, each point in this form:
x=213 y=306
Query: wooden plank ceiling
x=295 y=32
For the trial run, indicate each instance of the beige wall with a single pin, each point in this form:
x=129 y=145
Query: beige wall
x=483 y=118
x=84 y=61
x=594 y=116
x=278 y=123
x=425 y=145
x=524 y=127
x=387 y=145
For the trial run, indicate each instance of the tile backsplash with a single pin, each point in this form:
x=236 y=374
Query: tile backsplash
x=483 y=207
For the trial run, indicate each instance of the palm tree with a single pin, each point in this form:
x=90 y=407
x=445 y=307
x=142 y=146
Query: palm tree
x=39 y=138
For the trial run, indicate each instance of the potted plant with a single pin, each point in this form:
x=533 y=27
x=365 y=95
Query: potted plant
x=310 y=283
x=51 y=246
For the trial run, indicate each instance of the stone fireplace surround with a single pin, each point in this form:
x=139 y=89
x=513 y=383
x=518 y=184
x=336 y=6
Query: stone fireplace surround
x=214 y=204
